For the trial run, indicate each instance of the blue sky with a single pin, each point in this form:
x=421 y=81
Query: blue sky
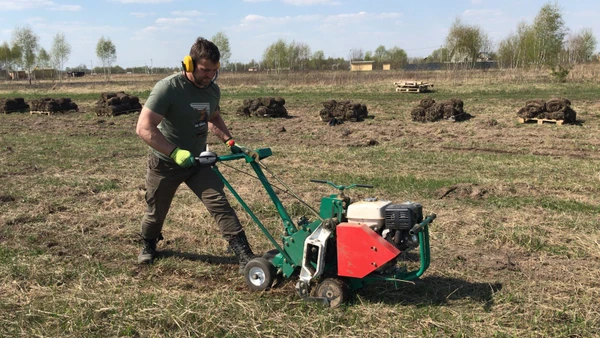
x=160 y=32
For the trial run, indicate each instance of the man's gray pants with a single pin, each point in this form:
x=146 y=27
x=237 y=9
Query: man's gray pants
x=162 y=180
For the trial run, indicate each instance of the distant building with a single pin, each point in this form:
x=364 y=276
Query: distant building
x=76 y=74
x=361 y=66
x=17 y=74
x=387 y=66
x=253 y=69
x=483 y=57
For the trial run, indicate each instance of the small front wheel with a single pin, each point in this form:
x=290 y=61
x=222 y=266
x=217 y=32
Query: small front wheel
x=259 y=274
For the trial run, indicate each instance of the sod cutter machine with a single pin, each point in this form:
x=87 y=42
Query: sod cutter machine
x=350 y=245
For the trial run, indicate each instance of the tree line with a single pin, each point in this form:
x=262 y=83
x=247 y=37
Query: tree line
x=27 y=54
x=546 y=42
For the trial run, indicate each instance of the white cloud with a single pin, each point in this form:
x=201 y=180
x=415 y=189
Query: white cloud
x=307 y=18
x=68 y=8
x=273 y=36
x=18 y=5
x=151 y=29
x=34 y=20
x=141 y=14
x=76 y=27
x=144 y=1
x=148 y=32
x=175 y=21
x=258 y=20
x=337 y=23
x=158 y=32
x=187 y=13
x=253 y=18
x=389 y=15
x=346 y=18
x=311 y=2
x=301 y=2
x=483 y=13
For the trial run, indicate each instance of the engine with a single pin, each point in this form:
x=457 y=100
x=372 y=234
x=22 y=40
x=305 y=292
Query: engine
x=390 y=221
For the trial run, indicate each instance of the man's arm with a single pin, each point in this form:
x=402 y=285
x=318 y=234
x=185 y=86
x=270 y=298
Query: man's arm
x=217 y=126
x=147 y=129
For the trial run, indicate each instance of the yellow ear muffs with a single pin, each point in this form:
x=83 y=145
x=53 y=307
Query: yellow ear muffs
x=188 y=64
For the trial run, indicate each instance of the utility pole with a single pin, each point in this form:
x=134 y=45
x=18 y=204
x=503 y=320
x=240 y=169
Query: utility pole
x=150 y=66
x=91 y=67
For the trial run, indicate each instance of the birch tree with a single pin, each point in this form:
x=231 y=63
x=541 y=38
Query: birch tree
x=59 y=53
x=465 y=42
x=28 y=44
x=107 y=53
x=550 y=31
x=222 y=42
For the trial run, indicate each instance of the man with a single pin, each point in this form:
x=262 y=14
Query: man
x=174 y=123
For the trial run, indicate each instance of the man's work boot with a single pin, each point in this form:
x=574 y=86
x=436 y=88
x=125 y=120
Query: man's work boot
x=149 y=251
x=240 y=246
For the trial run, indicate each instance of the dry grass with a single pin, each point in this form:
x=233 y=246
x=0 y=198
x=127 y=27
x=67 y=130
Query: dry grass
x=516 y=246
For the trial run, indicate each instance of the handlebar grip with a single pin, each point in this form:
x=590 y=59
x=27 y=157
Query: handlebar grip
x=318 y=181
x=364 y=186
x=419 y=227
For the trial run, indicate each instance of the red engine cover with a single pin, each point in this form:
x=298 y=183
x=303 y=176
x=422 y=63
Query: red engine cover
x=361 y=250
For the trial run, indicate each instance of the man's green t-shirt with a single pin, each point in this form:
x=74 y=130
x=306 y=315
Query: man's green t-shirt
x=186 y=110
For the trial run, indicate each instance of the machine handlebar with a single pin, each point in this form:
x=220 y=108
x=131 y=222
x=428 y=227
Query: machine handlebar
x=319 y=181
x=342 y=187
x=209 y=158
x=419 y=227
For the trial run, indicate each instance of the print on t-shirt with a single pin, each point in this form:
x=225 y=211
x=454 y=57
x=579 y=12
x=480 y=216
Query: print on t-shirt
x=201 y=125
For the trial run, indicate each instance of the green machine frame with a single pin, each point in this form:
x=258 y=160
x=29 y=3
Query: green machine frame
x=291 y=249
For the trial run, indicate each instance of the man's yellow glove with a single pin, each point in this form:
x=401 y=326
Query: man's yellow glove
x=182 y=157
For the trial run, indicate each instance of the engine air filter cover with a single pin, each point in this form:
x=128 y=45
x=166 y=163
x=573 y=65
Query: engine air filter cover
x=403 y=216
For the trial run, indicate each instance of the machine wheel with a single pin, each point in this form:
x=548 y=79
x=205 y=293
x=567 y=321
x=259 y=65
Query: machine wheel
x=335 y=290
x=259 y=274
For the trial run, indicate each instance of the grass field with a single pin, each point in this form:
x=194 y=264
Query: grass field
x=515 y=248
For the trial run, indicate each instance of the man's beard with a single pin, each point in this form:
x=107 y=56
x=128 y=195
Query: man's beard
x=202 y=82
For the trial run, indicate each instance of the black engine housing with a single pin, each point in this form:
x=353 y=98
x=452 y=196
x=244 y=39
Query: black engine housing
x=403 y=216
x=399 y=219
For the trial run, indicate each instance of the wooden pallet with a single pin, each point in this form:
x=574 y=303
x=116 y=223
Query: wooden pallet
x=410 y=89
x=419 y=89
x=540 y=121
x=412 y=86
x=411 y=83
x=40 y=112
x=43 y=112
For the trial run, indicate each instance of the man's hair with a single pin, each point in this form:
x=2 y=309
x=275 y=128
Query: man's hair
x=204 y=49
